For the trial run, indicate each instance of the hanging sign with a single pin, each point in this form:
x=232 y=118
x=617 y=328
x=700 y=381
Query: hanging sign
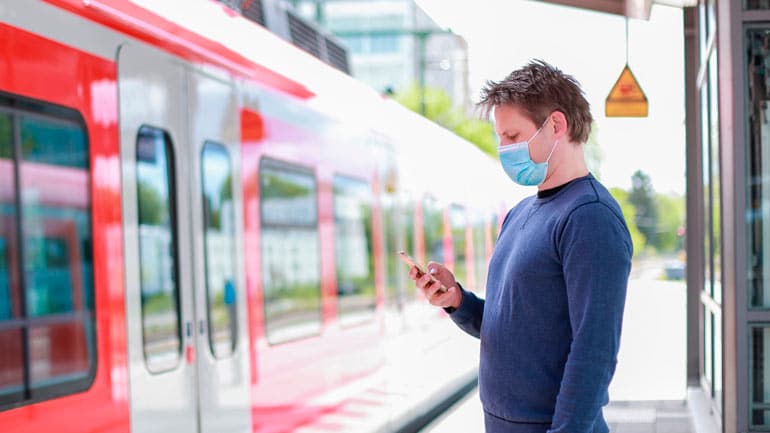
x=626 y=99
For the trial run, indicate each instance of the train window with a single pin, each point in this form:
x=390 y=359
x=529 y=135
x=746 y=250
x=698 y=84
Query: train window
x=47 y=330
x=219 y=240
x=393 y=266
x=158 y=265
x=291 y=256
x=356 y=294
x=480 y=251
x=459 y=221
x=7 y=218
x=433 y=229
x=407 y=222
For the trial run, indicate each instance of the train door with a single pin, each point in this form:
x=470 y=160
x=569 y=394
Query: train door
x=160 y=321
x=220 y=294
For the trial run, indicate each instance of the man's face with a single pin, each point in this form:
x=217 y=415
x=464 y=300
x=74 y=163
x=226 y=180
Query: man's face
x=512 y=126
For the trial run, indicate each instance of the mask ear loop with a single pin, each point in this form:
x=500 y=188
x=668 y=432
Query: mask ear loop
x=552 y=149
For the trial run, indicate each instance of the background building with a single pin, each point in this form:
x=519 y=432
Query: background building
x=394 y=44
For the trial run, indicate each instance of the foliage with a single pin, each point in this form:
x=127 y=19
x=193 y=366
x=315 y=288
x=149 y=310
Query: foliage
x=6 y=151
x=671 y=215
x=642 y=197
x=628 y=209
x=439 y=108
x=151 y=206
x=668 y=214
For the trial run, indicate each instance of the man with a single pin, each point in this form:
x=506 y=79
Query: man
x=550 y=325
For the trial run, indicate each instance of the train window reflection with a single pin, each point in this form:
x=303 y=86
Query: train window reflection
x=157 y=249
x=407 y=223
x=11 y=355
x=756 y=4
x=459 y=221
x=393 y=243
x=219 y=239
x=46 y=283
x=7 y=217
x=356 y=295
x=291 y=259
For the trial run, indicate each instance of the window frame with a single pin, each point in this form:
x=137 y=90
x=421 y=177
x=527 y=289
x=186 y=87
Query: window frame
x=343 y=319
x=15 y=106
x=235 y=328
x=171 y=159
x=280 y=164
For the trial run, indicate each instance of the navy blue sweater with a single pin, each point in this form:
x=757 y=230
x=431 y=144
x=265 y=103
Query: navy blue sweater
x=550 y=325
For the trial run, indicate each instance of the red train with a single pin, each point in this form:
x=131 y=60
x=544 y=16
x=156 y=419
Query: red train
x=198 y=228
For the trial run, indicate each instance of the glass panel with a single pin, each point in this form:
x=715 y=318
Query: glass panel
x=356 y=295
x=11 y=366
x=9 y=290
x=291 y=262
x=58 y=353
x=407 y=220
x=56 y=201
x=459 y=221
x=759 y=352
x=433 y=227
x=157 y=250
x=393 y=266
x=708 y=361
x=712 y=17
x=758 y=194
x=11 y=337
x=219 y=240
x=703 y=30
x=706 y=180
x=718 y=362
x=716 y=216
x=756 y=4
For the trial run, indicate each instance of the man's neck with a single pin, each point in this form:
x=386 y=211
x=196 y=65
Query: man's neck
x=569 y=168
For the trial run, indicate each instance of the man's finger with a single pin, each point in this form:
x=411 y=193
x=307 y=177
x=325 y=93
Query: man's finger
x=423 y=281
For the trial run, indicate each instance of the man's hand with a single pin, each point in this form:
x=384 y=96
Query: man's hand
x=431 y=288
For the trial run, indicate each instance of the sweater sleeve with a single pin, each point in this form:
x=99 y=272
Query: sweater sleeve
x=595 y=249
x=469 y=314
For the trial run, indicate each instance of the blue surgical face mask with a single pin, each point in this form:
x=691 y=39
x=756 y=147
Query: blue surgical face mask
x=519 y=166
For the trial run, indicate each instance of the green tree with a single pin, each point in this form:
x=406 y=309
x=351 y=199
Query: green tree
x=629 y=212
x=642 y=197
x=440 y=109
x=671 y=215
x=151 y=207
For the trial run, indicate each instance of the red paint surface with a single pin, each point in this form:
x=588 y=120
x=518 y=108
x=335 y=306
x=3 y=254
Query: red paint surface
x=38 y=68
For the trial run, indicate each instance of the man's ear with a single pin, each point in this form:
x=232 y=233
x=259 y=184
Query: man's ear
x=559 y=125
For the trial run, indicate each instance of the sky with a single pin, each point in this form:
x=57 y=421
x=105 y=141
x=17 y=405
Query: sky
x=504 y=35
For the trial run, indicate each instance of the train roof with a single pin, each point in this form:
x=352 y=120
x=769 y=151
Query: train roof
x=213 y=37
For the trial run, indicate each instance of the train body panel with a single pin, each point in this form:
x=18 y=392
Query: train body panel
x=223 y=260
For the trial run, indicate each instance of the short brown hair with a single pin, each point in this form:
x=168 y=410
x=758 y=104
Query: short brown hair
x=539 y=89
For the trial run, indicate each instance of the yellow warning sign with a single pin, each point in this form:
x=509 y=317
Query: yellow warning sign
x=626 y=99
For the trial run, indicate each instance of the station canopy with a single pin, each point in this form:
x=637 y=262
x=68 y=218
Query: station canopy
x=639 y=9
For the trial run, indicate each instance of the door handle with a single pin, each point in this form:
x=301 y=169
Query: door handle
x=201 y=327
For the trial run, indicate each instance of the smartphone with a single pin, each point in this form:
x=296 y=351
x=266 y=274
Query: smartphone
x=406 y=258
